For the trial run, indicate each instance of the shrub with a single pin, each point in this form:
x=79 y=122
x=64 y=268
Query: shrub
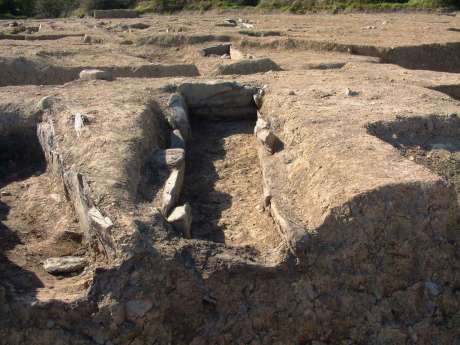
x=54 y=8
x=89 y=5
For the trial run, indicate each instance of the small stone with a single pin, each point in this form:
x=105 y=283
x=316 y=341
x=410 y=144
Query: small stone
x=87 y=39
x=291 y=93
x=268 y=139
x=79 y=122
x=170 y=157
x=65 y=264
x=230 y=22
x=181 y=220
x=261 y=124
x=45 y=103
x=95 y=74
x=172 y=189
x=5 y=193
x=177 y=141
x=50 y=323
x=350 y=93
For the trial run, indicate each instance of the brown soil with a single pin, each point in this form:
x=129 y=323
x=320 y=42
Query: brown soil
x=224 y=187
x=357 y=243
x=38 y=223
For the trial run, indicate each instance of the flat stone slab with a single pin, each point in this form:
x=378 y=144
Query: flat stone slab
x=65 y=264
x=95 y=74
x=181 y=219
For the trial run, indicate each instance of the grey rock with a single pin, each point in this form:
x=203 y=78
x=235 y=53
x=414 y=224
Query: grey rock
x=45 y=103
x=181 y=220
x=268 y=139
x=102 y=226
x=217 y=94
x=79 y=122
x=65 y=264
x=258 y=98
x=179 y=115
x=350 y=93
x=171 y=158
x=177 y=141
x=172 y=190
x=95 y=74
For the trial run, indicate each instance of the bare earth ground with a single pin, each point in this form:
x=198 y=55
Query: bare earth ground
x=359 y=242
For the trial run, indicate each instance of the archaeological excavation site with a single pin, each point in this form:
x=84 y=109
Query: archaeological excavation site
x=230 y=178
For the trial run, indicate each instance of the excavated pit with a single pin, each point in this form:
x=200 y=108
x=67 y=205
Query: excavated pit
x=430 y=141
x=24 y=71
x=223 y=177
x=36 y=221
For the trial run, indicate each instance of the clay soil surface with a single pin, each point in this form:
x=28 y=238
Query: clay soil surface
x=346 y=234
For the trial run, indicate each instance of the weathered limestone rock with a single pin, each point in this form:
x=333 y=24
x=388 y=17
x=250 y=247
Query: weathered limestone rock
x=115 y=13
x=102 y=227
x=219 y=100
x=172 y=158
x=45 y=103
x=258 y=98
x=79 y=123
x=248 y=67
x=77 y=190
x=46 y=137
x=95 y=74
x=230 y=23
x=350 y=93
x=268 y=139
x=181 y=220
x=220 y=49
x=65 y=264
x=177 y=141
x=261 y=124
x=179 y=115
x=172 y=189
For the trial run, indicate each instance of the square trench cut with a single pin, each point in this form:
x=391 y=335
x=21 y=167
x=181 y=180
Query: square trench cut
x=223 y=177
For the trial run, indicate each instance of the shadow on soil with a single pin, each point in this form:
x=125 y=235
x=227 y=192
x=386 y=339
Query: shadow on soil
x=207 y=147
x=20 y=163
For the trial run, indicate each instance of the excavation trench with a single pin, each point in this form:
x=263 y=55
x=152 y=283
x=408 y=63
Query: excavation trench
x=23 y=71
x=223 y=178
x=36 y=221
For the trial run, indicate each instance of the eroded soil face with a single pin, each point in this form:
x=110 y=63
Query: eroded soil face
x=309 y=197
